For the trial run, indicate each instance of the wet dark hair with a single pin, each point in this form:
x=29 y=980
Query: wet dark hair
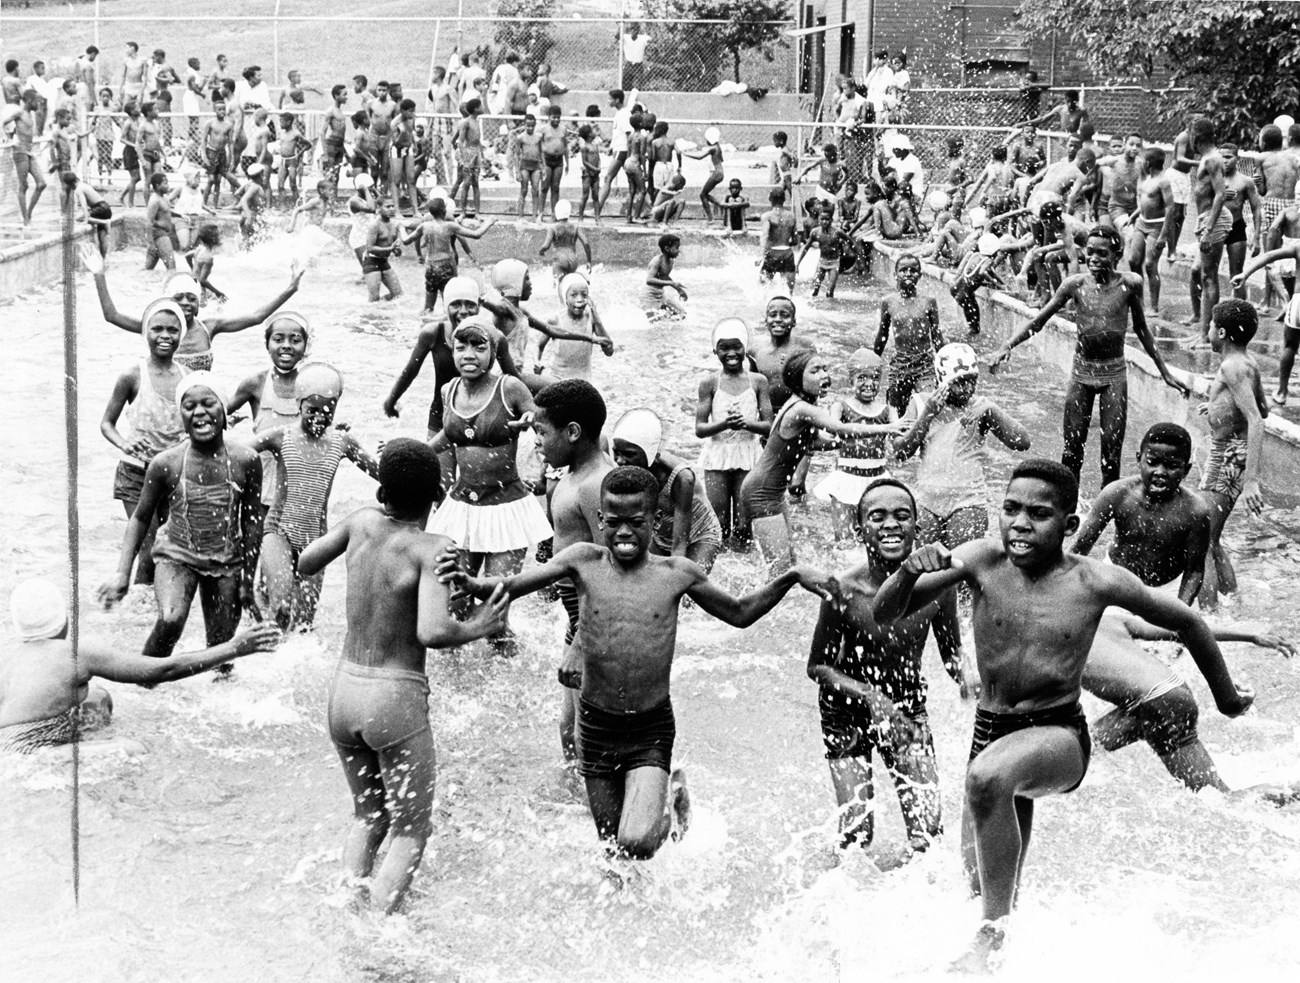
x=1170 y=434
x=474 y=105
x=905 y=258
x=573 y=401
x=1072 y=95
x=1270 y=137
x=438 y=208
x=406 y=105
x=660 y=130
x=631 y=481
x=1108 y=233
x=1155 y=157
x=776 y=196
x=409 y=475
x=359 y=118
x=617 y=95
x=585 y=132
x=157 y=181
x=1199 y=131
x=1237 y=319
x=209 y=235
x=554 y=110
x=668 y=240
x=1054 y=473
x=780 y=139
x=884 y=483
x=1228 y=146
x=592 y=111
x=635 y=121
x=999 y=153
x=1293 y=133
x=792 y=371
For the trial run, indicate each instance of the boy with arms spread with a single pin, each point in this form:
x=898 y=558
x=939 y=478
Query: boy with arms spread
x=1036 y=611
x=378 y=704
x=1104 y=300
x=1236 y=410
x=872 y=691
x=438 y=236
x=570 y=416
x=623 y=653
x=915 y=322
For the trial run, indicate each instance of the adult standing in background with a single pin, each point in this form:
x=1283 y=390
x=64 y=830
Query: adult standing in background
x=38 y=84
x=85 y=75
x=901 y=91
x=849 y=111
x=634 y=45
x=160 y=73
x=879 y=81
x=133 y=69
x=251 y=90
x=504 y=78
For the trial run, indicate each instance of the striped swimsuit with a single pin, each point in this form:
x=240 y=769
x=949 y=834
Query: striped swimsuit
x=299 y=516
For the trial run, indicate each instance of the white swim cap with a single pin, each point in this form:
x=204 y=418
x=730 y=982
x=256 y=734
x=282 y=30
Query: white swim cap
x=38 y=609
x=978 y=215
x=563 y=210
x=642 y=428
x=568 y=282
x=1284 y=122
x=712 y=135
x=181 y=283
x=938 y=199
x=508 y=276
x=163 y=305
x=359 y=182
x=202 y=379
x=461 y=288
x=988 y=244
x=730 y=329
x=864 y=358
x=955 y=361
x=254 y=170
x=318 y=379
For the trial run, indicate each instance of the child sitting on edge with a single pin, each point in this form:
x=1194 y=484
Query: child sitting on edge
x=669 y=203
x=378 y=703
x=577 y=320
x=662 y=296
x=733 y=414
x=948 y=427
x=91 y=208
x=861 y=460
x=621 y=658
x=1235 y=410
x=309 y=455
x=732 y=208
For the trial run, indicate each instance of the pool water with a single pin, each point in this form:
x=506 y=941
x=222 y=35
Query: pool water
x=210 y=852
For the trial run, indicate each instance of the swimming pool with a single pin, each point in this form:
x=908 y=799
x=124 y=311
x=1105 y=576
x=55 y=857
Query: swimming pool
x=213 y=855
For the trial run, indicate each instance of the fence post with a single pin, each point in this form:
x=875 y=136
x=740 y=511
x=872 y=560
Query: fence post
x=275 y=35
x=433 y=56
x=95 y=94
x=618 y=43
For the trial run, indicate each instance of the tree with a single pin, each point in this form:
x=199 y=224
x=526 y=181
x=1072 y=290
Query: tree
x=532 y=39
x=1238 y=60
x=700 y=47
x=752 y=25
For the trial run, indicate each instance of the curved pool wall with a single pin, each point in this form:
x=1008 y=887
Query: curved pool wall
x=36 y=259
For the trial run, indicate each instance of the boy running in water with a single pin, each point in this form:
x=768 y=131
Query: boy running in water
x=622 y=657
x=438 y=237
x=212 y=536
x=1236 y=410
x=162 y=230
x=1036 y=612
x=570 y=417
x=831 y=243
x=308 y=455
x=661 y=293
x=871 y=688
x=915 y=323
x=378 y=708
x=1104 y=301
x=383 y=241
x=776 y=245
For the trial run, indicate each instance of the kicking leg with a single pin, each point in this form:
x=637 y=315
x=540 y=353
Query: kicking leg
x=370 y=812
x=772 y=533
x=281 y=586
x=645 y=821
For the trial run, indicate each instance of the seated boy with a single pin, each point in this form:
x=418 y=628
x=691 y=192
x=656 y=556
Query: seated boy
x=622 y=656
x=378 y=702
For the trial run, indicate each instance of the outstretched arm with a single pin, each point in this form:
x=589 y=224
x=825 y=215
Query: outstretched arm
x=95 y=264
x=228 y=324
x=1143 y=332
x=111 y=663
x=923 y=578
x=423 y=345
x=359 y=456
x=741 y=612
x=1035 y=324
x=1147 y=632
x=1099 y=516
x=321 y=552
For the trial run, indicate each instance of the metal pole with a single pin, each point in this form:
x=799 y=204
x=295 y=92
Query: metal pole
x=618 y=44
x=433 y=56
x=275 y=35
x=70 y=263
x=94 y=96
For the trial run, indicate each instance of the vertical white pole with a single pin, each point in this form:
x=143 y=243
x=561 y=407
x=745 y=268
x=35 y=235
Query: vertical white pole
x=275 y=30
x=433 y=56
x=622 y=29
x=94 y=96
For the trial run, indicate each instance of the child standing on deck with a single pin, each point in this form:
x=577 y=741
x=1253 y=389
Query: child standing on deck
x=378 y=705
x=915 y=322
x=1236 y=410
x=712 y=150
x=662 y=295
x=830 y=177
x=732 y=415
x=948 y=427
x=861 y=460
x=589 y=153
x=308 y=455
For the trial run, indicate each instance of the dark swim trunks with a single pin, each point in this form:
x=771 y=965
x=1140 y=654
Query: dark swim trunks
x=1238 y=232
x=437 y=276
x=553 y=160
x=778 y=261
x=375 y=264
x=612 y=743
x=990 y=727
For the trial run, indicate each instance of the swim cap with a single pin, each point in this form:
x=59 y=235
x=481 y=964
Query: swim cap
x=978 y=216
x=508 y=276
x=299 y=321
x=481 y=326
x=461 y=288
x=988 y=244
x=318 y=379
x=38 y=609
x=712 y=135
x=864 y=358
x=535 y=90
x=955 y=361
x=563 y=210
x=1284 y=122
x=730 y=329
x=570 y=281
x=181 y=283
x=205 y=380
x=163 y=305
x=254 y=170
x=359 y=182
x=642 y=428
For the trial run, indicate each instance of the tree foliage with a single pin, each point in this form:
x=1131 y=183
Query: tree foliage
x=532 y=39
x=1239 y=61
x=701 y=47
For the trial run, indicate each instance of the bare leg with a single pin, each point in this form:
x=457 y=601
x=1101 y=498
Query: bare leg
x=370 y=812
x=408 y=770
x=773 y=536
x=1114 y=422
x=281 y=588
x=504 y=565
x=1209 y=286
x=645 y=821
x=1077 y=418
x=173 y=587
x=1290 y=342
x=916 y=779
x=854 y=793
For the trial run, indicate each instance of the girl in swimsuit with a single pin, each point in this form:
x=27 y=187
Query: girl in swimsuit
x=732 y=415
x=489 y=513
x=195 y=350
x=686 y=525
x=308 y=455
x=794 y=433
x=713 y=151
x=209 y=542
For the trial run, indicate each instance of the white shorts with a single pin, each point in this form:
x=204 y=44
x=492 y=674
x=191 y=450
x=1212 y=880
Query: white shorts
x=1180 y=183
